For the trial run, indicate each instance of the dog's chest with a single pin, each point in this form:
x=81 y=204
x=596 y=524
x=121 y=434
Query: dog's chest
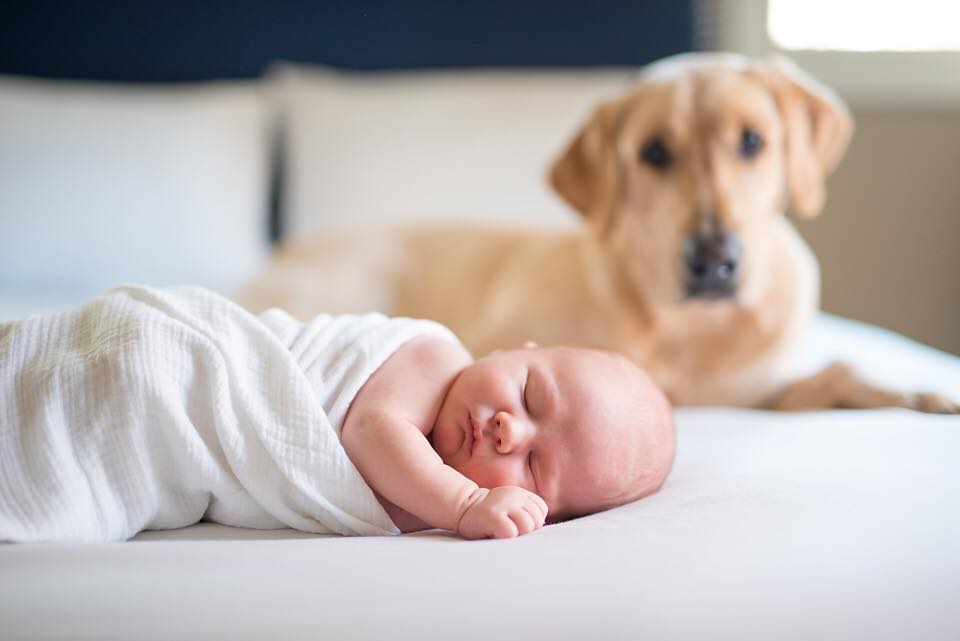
x=706 y=352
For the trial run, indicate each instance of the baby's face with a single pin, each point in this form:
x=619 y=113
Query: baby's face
x=583 y=429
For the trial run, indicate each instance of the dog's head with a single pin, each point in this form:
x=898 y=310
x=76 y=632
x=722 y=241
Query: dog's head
x=685 y=176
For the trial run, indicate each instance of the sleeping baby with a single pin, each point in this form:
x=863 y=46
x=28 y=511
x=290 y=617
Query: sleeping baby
x=155 y=409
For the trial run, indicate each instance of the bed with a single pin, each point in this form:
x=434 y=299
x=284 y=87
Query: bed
x=833 y=525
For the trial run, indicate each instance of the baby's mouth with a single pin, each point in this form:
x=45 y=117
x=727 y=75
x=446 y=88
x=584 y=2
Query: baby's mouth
x=471 y=434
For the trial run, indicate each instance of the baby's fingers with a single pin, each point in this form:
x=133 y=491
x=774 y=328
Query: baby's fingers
x=540 y=502
x=536 y=515
x=505 y=528
x=540 y=508
x=525 y=521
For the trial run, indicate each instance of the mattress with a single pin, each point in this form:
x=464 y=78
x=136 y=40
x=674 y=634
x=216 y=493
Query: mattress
x=832 y=525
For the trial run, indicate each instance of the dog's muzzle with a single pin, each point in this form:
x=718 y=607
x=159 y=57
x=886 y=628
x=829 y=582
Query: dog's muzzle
x=712 y=263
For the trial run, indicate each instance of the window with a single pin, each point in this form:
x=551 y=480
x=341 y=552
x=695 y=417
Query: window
x=900 y=53
x=864 y=25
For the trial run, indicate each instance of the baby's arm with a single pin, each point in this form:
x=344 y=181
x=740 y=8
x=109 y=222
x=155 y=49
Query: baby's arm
x=397 y=461
x=385 y=436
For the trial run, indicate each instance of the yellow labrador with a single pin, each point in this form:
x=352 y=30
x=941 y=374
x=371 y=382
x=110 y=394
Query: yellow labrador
x=686 y=262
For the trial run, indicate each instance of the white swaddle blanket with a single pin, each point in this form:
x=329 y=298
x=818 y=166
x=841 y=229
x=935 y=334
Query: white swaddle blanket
x=154 y=409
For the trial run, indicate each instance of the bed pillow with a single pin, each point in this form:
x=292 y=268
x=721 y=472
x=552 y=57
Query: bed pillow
x=101 y=184
x=467 y=145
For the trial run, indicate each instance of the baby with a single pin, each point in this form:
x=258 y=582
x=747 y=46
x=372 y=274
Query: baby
x=151 y=409
x=492 y=448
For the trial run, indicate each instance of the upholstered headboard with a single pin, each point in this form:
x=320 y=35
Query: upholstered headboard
x=182 y=40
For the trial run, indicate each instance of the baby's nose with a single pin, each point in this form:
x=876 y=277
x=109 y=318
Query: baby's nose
x=509 y=431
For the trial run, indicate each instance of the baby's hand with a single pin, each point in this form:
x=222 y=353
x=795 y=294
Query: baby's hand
x=502 y=513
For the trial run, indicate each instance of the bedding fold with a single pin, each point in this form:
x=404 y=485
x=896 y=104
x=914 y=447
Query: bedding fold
x=154 y=409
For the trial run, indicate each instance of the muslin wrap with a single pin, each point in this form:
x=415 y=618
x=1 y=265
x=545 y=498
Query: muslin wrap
x=157 y=408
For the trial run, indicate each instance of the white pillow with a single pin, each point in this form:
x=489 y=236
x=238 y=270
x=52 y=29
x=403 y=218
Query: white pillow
x=101 y=184
x=468 y=145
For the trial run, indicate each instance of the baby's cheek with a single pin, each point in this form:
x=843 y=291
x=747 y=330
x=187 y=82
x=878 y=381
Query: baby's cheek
x=446 y=439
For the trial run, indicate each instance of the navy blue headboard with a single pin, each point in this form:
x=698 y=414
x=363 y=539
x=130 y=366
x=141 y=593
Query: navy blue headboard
x=177 y=40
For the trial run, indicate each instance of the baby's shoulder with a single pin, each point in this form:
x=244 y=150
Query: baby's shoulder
x=432 y=354
x=412 y=382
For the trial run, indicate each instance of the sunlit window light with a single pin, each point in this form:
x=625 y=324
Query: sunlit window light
x=865 y=25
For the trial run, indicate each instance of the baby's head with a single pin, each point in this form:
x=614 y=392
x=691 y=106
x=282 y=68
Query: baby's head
x=585 y=429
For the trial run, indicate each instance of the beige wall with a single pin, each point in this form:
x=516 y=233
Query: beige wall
x=889 y=238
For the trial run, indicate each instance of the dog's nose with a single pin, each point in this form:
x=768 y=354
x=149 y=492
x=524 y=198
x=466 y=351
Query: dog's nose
x=712 y=262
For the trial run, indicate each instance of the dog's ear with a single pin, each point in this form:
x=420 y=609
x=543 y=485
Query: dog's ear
x=817 y=127
x=585 y=174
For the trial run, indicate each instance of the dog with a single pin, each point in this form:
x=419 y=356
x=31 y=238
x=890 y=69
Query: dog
x=685 y=261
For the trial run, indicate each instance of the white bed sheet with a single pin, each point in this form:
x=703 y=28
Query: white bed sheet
x=831 y=525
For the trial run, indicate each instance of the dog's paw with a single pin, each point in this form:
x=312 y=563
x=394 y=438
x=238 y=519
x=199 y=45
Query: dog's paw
x=839 y=386
x=933 y=403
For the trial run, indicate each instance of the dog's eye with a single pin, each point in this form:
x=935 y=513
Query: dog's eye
x=750 y=143
x=656 y=154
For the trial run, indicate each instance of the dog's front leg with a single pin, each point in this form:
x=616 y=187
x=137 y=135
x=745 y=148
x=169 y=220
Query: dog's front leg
x=839 y=386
